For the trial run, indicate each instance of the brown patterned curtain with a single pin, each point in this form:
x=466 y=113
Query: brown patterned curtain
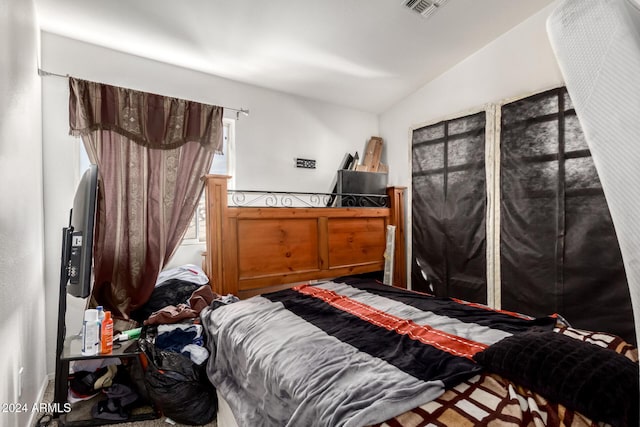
x=151 y=152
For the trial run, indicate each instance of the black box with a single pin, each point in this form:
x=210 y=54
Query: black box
x=351 y=184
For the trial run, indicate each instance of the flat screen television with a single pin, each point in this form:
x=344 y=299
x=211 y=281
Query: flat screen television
x=76 y=265
x=79 y=235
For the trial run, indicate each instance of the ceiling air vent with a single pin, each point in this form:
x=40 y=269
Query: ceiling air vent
x=424 y=8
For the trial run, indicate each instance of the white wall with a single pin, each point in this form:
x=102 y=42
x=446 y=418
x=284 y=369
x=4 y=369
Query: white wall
x=22 y=305
x=518 y=63
x=279 y=128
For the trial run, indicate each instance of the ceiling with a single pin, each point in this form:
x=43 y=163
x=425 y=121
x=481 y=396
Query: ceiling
x=364 y=54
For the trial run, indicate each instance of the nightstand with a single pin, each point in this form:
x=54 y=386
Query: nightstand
x=80 y=414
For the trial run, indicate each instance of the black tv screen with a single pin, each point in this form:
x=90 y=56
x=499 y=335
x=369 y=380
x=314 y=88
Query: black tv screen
x=82 y=225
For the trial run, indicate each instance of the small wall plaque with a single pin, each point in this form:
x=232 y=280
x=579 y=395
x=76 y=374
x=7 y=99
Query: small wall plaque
x=306 y=163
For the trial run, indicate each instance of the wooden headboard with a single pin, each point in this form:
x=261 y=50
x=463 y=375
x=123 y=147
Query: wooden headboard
x=252 y=250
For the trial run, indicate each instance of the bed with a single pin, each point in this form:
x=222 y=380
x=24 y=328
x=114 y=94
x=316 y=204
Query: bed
x=325 y=343
x=354 y=352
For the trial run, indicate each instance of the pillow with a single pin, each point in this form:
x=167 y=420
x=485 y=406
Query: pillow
x=597 y=382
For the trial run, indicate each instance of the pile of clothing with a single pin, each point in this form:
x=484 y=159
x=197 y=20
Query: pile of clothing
x=173 y=342
x=108 y=378
x=173 y=292
x=179 y=296
x=184 y=338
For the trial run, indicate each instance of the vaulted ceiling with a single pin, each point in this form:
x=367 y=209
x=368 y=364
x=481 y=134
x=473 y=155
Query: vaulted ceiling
x=365 y=54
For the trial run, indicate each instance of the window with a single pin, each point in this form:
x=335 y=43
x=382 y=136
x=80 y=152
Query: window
x=223 y=164
x=557 y=240
x=449 y=198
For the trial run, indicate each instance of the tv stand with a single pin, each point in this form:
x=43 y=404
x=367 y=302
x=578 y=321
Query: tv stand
x=69 y=349
x=80 y=414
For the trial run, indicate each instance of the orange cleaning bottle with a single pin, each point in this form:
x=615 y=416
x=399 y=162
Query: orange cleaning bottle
x=106 y=334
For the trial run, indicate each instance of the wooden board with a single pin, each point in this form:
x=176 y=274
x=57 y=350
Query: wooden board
x=255 y=250
x=372 y=155
x=354 y=241
x=277 y=246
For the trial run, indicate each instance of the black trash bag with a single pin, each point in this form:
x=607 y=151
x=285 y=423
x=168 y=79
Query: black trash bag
x=177 y=386
x=171 y=292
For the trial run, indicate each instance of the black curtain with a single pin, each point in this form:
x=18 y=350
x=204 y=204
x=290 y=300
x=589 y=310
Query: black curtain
x=559 y=250
x=449 y=208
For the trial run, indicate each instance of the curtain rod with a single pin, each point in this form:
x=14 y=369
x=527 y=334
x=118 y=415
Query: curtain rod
x=43 y=73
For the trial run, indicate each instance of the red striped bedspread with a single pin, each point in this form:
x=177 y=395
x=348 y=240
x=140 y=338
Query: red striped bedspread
x=354 y=352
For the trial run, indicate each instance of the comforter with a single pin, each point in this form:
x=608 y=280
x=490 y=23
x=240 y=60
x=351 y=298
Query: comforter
x=349 y=352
